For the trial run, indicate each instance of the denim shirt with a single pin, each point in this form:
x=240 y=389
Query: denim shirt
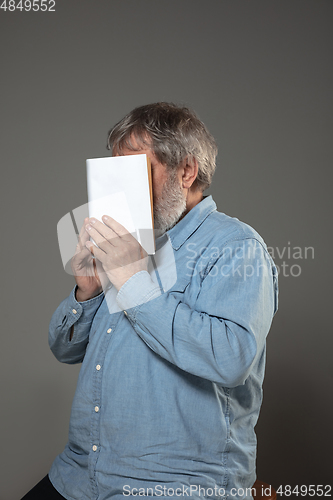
x=170 y=386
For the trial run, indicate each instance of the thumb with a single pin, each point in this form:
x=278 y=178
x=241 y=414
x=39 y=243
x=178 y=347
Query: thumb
x=100 y=274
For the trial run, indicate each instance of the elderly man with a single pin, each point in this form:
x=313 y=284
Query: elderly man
x=171 y=381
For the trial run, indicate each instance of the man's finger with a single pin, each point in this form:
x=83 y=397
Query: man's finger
x=101 y=274
x=117 y=228
x=101 y=241
x=97 y=252
x=107 y=233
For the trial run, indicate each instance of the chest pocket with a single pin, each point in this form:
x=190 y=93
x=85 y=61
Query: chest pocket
x=180 y=290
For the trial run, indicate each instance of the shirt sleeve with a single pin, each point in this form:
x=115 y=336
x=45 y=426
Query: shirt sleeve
x=71 y=312
x=215 y=329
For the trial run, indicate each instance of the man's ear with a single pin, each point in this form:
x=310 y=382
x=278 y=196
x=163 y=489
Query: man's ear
x=190 y=172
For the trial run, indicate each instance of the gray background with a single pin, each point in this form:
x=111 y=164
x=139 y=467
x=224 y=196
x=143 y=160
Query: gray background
x=259 y=74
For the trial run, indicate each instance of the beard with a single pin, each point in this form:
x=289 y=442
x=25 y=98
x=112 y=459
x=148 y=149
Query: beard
x=170 y=206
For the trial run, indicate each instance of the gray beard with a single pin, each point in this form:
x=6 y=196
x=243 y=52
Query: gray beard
x=170 y=207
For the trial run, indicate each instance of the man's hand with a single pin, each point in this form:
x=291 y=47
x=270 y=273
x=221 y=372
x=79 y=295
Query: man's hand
x=86 y=270
x=119 y=253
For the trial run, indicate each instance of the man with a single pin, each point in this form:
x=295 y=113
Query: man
x=171 y=382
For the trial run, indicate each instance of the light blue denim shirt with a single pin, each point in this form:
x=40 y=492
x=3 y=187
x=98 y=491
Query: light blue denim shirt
x=170 y=386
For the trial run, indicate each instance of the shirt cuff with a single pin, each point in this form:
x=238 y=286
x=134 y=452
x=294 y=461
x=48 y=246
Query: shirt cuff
x=139 y=289
x=84 y=310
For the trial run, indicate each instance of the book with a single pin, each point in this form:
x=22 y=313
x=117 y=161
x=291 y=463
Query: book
x=121 y=187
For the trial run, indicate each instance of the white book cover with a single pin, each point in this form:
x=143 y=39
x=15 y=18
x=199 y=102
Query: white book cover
x=120 y=186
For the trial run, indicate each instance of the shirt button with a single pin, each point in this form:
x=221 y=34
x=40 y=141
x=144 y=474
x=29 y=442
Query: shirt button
x=94 y=448
x=125 y=312
x=98 y=367
x=109 y=330
x=74 y=311
x=96 y=409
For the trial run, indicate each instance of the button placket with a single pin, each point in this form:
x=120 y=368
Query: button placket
x=98 y=377
x=105 y=337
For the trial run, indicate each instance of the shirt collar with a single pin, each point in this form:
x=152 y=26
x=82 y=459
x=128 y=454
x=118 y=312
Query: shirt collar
x=190 y=223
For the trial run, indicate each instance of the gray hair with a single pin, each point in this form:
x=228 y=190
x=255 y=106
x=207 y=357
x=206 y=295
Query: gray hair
x=172 y=132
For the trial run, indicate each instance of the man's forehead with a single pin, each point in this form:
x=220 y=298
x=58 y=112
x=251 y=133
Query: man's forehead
x=134 y=145
x=140 y=142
